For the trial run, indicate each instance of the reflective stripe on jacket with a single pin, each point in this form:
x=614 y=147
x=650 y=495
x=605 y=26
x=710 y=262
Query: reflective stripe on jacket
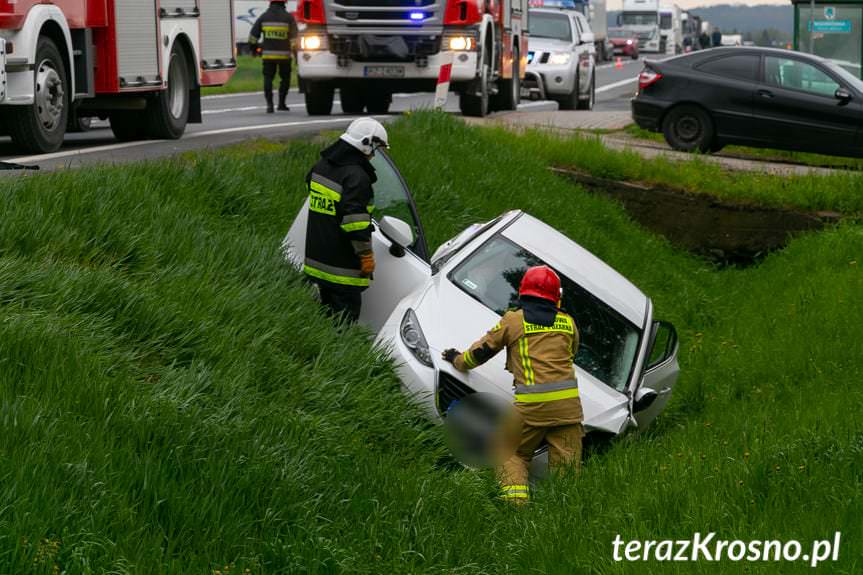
x=279 y=31
x=339 y=221
x=540 y=359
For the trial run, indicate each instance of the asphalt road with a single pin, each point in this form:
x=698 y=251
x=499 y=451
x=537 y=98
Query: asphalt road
x=234 y=118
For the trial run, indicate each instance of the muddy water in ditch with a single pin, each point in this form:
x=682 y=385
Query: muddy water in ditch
x=726 y=232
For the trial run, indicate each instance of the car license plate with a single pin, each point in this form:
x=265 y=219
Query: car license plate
x=384 y=72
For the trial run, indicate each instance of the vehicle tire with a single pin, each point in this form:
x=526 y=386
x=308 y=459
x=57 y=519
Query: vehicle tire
x=127 y=125
x=570 y=101
x=319 y=98
x=40 y=127
x=510 y=90
x=168 y=111
x=635 y=55
x=476 y=105
x=716 y=146
x=587 y=103
x=378 y=102
x=78 y=124
x=688 y=128
x=353 y=99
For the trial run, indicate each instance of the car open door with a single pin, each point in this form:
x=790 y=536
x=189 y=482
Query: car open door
x=400 y=269
x=659 y=375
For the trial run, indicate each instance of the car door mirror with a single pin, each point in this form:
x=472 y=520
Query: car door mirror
x=587 y=38
x=644 y=398
x=843 y=95
x=399 y=232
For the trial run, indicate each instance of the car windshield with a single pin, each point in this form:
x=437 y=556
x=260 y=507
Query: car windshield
x=638 y=19
x=846 y=76
x=619 y=33
x=554 y=26
x=608 y=342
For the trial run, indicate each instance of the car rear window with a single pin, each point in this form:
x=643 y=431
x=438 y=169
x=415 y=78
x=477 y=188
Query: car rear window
x=608 y=342
x=738 y=66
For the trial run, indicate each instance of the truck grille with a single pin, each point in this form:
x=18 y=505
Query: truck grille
x=449 y=390
x=369 y=48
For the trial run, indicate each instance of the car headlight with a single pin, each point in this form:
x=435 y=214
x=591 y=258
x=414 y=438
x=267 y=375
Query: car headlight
x=560 y=58
x=413 y=338
x=312 y=42
x=629 y=42
x=461 y=43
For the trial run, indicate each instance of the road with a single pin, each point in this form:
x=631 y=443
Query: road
x=231 y=119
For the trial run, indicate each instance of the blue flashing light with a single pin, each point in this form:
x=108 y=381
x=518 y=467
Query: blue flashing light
x=417 y=15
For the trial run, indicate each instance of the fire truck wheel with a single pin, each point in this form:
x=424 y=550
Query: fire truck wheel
x=40 y=127
x=472 y=104
x=510 y=90
x=378 y=102
x=127 y=125
x=319 y=98
x=353 y=99
x=168 y=112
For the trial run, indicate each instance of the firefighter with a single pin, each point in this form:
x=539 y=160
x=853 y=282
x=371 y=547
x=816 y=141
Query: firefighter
x=339 y=257
x=540 y=341
x=279 y=30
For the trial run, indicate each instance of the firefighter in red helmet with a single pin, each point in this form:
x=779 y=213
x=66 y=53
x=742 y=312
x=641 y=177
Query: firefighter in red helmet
x=540 y=341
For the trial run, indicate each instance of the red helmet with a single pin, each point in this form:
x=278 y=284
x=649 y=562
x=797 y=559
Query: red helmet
x=541 y=281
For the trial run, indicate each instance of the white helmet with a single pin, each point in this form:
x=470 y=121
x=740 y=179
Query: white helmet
x=366 y=135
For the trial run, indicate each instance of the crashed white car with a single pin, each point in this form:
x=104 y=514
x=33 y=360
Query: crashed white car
x=419 y=305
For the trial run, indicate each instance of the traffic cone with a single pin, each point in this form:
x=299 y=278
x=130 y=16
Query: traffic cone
x=618 y=63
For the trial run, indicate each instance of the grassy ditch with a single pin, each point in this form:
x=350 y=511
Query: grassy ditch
x=773 y=155
x=247 y=78
x=173 y=401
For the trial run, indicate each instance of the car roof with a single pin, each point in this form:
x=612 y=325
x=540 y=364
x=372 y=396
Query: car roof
x=698 y=56
x=579 y=265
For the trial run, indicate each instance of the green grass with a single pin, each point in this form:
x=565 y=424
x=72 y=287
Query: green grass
x=173 y=401
x=805 y=158
x=247 y=78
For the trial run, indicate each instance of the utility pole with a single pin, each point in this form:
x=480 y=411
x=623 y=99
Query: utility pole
x=811 y=26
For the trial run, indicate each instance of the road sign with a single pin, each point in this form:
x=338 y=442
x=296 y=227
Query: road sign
x=830 y=12
x=830 y=26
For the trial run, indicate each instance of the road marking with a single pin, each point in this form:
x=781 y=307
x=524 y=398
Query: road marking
x=125 y=145
x=608 y=87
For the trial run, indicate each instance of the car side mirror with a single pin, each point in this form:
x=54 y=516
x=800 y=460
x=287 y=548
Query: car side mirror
x=843 y=95
x=644 y=398
x=399 y=232
x=588 y=38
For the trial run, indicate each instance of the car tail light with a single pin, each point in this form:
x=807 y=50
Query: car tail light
x=311 y=12
x=648 y=77
x=462 y=12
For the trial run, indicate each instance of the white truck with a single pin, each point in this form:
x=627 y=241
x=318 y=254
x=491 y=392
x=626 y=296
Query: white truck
x=670 y=29
x=641 y=17
x=370 y=49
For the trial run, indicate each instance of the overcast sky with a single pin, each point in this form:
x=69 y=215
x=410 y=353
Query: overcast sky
x=617 y=4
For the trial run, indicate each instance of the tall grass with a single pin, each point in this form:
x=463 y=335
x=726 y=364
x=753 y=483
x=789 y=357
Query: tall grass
x=172 y=400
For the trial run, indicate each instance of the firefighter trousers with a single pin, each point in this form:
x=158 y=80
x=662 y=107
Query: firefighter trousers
x=343 y=301
x=271 y=67
x=564 y=448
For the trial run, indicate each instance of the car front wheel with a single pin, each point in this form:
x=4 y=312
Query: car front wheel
x=688 y=128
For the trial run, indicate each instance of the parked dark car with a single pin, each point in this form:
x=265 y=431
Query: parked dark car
x=625 y=42
x=762 y=97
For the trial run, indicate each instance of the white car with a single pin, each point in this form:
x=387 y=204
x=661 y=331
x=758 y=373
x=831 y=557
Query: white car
x=418 y=305
x=561 y=58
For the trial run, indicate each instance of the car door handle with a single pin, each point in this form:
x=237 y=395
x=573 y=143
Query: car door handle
x=765 y=94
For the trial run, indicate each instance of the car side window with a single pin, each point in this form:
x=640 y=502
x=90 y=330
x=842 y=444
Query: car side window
x=797 y=75
x=576 y=28
x=739 y=67
x=392 y=198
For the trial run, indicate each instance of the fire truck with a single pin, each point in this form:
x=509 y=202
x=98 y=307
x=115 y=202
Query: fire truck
x=139 y=63
x=370 y=49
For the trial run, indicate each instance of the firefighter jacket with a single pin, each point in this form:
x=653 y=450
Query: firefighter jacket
x=540 y=342
x=279 y=30
x=339 y=228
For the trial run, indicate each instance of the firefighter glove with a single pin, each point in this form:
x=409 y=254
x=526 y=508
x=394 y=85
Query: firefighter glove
x=450 y=354
x=367 y=264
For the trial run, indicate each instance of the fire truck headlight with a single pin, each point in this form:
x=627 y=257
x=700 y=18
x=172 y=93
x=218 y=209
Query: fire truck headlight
x=460 y=43
x=312 y=42
x=560 y=58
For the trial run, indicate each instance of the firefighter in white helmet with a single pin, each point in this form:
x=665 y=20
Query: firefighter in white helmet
x=339 y=256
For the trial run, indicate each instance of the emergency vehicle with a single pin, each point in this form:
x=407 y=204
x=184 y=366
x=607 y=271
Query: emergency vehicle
x=139 y=63
x=370 y=49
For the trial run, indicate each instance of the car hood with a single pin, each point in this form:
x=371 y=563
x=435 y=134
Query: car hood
x=548 y=45
x=451 y=318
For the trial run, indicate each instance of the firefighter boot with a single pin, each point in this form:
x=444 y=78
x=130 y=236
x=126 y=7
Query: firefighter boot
x=269 y=98
x=283 y=95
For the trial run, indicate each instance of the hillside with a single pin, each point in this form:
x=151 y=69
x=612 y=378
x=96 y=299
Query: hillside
x=172 y=400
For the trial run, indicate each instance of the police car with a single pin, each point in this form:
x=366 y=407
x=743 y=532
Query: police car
x=561 y=59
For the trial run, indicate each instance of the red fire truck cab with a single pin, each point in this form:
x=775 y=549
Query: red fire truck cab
x=139 y=63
